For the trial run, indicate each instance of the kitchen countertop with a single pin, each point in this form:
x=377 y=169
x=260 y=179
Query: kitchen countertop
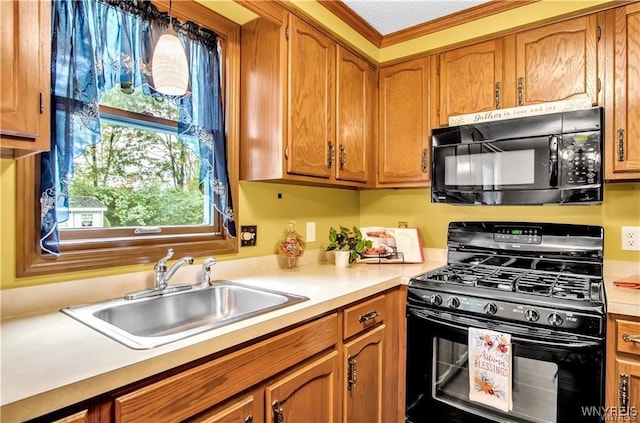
x=50 y=360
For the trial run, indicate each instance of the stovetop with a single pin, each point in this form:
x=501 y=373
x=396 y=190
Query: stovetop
x=548 y=284
x=539 y=274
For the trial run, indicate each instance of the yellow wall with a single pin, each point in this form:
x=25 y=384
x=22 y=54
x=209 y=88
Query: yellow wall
x=621 y=207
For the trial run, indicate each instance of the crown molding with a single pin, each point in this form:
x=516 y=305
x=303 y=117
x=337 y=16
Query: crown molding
x=343 y=12
x=493 y=7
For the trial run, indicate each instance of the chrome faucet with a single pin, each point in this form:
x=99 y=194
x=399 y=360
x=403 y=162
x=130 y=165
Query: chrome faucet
x=162 y=274
x=206 y=268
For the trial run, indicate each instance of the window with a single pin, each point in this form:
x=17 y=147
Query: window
x=156 y=173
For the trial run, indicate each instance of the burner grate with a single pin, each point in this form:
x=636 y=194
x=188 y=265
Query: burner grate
x=571 y=287
x=558 y=285
x=536 y=283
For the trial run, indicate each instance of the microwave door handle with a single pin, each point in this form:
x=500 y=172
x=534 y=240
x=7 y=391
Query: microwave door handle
x=553 y=161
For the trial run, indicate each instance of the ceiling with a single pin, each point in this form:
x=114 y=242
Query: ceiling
x=389 y=16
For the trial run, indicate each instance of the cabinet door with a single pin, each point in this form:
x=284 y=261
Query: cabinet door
x=24 y=86
x=310 y=137
x=557 y=62
x=471 y=80
x=308 y=394
x=624 y=147
x=355 y=116
x=403 y=124
x=244 y=409
x=364 y=378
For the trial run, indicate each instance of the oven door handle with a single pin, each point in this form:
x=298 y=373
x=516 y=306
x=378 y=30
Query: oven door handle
x=562 y=343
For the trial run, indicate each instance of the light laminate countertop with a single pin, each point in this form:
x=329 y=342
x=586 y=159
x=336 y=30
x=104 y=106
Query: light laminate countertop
x=49 y=360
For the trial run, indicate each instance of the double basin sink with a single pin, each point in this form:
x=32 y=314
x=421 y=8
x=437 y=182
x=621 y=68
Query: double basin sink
x=157 y=320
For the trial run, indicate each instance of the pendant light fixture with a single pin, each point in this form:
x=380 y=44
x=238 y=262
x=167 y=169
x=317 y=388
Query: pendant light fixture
x=169 y=63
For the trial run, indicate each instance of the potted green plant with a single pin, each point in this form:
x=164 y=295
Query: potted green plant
x=349 y=241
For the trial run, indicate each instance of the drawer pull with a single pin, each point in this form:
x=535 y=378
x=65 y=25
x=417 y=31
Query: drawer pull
x=631 y=338
x=368 y=316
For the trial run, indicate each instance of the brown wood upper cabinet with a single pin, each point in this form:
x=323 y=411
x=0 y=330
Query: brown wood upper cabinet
x=355 y=117
x=550 y=63
x=556 y=62
x=310 y=148
x=471 y=80
x=404 y=155
x=623 y=82
x=25 y=77
x=309 y=103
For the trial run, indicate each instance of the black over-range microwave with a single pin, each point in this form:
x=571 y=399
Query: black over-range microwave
x=545 y=159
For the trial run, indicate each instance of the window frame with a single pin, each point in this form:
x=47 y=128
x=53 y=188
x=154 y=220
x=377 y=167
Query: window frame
x=144 y=248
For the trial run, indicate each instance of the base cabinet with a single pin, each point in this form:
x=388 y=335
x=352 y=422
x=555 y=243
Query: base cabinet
x=364 y=360
x=623 y=368
x=246 y=408
x=308 y=394
x=299 y=375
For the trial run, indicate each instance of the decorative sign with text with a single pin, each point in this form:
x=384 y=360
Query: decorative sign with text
x=490 y=368
x=522 y=111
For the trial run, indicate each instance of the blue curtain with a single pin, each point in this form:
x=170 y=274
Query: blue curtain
x=95 y=47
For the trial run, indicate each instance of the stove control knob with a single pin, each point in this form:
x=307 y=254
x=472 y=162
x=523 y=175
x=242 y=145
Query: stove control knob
x=453 y=302
x=555 y=319
x=531 y=315
x=490 y=308
x=435 y=300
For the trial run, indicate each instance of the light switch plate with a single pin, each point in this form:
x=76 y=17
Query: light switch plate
x=311 y=232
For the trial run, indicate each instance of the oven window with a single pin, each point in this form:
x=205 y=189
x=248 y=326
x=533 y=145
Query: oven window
x=534 y=390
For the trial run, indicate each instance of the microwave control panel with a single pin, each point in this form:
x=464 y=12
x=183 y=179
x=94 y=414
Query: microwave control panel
x=581 y=158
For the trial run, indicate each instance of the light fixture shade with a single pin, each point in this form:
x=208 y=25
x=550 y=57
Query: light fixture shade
x=169 y=65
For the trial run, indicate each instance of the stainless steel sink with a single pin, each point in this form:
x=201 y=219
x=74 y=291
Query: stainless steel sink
x=149 y=322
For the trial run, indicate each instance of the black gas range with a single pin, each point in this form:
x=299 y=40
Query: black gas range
x=542 y=283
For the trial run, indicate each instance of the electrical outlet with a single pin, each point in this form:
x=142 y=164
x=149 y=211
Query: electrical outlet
x=311 y=232
x=631 y=238
x=248 y=235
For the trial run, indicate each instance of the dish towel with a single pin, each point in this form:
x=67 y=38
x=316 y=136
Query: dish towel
x=490 y=368
x=629 y=282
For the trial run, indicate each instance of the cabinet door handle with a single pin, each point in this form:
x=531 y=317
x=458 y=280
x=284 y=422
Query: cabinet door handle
x=368 y=316
x=631 y=338
x=624 y=393
x=621 y=145
x=330 y=154
x=351 y=373
x=249 y=419
x=278 y=412
x=343 y=157
x=520 y=91
x=498 y=94
x=425 y=163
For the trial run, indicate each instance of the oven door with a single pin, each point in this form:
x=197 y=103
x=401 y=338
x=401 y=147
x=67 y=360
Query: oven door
x=556 y=379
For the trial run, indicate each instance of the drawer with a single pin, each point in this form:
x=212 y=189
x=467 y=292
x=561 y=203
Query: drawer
x=193 y=391
x=628 y=336
x=363 y=316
